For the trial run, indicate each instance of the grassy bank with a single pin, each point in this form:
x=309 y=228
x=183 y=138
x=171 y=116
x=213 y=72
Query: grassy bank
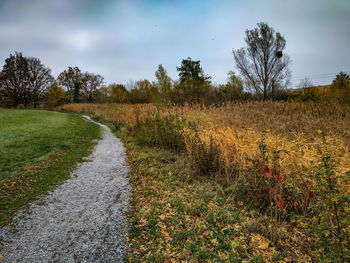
x=257 y=181
x=38 y=149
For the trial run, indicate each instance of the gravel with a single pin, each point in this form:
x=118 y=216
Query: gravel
x=83 y=220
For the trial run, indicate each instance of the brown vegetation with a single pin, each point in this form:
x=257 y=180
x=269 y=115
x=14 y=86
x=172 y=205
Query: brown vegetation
x=287 y=160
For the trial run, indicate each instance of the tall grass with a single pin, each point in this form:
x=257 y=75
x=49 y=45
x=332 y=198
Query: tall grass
x=299 y=129
x=271 y=154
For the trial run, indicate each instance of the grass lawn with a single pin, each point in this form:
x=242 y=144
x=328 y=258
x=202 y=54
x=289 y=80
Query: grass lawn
x=38 y=149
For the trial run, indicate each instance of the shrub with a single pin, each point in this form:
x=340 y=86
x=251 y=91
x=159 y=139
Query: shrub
x=204 y=158
x=166 y=131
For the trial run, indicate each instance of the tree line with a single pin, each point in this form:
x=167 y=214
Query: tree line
x=262 y=65
x=339 y=90
x=26 y=81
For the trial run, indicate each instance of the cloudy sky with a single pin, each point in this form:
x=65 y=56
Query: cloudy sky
x=126 y=39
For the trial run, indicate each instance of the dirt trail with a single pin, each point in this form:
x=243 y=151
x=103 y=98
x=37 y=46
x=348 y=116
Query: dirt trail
x=83 y=220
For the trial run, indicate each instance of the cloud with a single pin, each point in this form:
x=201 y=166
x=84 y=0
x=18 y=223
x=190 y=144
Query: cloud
x=83 y=40
x=127 y=39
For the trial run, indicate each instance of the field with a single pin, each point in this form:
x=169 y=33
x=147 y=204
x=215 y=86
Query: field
x=37 y=151
x=257 y=181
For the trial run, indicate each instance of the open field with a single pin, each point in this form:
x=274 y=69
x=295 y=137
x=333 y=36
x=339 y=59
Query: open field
x=300 y=132
x=284 y=164
x=38 y=149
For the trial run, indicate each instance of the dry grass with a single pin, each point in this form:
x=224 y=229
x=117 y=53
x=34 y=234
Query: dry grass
x=300 y=129
x=270 y=156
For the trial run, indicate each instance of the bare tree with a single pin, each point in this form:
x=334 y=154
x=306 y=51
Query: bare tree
x=130 y=85
x=261 y=62
x=306 y=91
x=40 y=79
x=305 y=83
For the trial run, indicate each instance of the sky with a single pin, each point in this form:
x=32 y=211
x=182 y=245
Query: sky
x=125 y=40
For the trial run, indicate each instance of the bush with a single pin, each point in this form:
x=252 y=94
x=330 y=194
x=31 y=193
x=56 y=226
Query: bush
x=166 y=131
x=204 y=158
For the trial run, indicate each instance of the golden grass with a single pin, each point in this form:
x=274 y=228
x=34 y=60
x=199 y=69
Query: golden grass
x=302 y=130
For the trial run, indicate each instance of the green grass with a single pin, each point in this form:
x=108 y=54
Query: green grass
x=38 y=149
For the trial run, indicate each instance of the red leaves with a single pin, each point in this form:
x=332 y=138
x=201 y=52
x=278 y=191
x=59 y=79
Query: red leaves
x=310 y=194
x=279 y=201
x=273 y=191
x=269 y=174
x=266 y=170
x=277 y=197
x=276 y=190
x=280 y=204
x=277 y=177
x=313 y=195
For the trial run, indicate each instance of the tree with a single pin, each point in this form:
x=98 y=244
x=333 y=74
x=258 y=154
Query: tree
x=24 y=80
x=55 y=96
x=340 y=88
x=144 y=92
x=341 y=81
x=305 y=83
x=118 y=93
x=103 y=94
x=193 y=84
x=163 y=83
x=191 y=70
x=233 y=89
x=76 y=91
x=69 y=78
x=3 y=99
x=14 y=81
x=261 y=62
x=40 y=79
x=307 y=92
x=90 y=84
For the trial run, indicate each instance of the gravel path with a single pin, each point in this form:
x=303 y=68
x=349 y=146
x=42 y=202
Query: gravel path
x=83 y=220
